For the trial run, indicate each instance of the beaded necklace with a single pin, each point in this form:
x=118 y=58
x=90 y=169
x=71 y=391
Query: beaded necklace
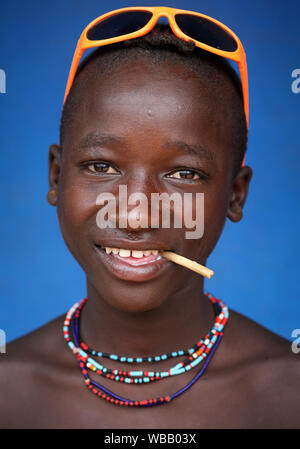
x=204 y=348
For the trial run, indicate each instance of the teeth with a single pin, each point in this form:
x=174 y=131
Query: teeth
x=137 y=254
x=134 y=253
x=124 y=252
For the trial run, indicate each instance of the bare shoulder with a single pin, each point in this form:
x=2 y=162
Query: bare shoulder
x=31 y=363
x=267 y=371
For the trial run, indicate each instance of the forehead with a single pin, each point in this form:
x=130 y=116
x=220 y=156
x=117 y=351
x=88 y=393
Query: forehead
x=143 y=98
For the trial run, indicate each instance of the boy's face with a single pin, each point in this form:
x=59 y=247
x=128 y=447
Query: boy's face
x=170 y=135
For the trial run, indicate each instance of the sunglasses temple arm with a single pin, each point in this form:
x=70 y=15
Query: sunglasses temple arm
x=76 y=58
x=244 y=77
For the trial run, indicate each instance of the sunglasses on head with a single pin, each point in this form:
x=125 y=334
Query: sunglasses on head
x=129 y=23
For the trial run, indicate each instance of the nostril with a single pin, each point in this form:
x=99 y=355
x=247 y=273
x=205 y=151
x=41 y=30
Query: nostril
x=132 y=236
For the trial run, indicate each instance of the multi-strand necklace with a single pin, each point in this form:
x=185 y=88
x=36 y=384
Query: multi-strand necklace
x=202 y=350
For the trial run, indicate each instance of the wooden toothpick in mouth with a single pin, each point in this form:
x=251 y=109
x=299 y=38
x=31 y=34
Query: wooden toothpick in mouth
x=190 y=264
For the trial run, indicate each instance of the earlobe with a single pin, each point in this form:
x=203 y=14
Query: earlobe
x=54 y=166
x=235 y=212
x=51 y=197
x=239 y=193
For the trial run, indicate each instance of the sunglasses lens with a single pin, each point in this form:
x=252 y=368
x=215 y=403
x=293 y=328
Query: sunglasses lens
x=205 y=31
x=119 y=24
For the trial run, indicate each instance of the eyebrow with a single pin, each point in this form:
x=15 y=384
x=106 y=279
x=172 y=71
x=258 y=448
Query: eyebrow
x=196 y=150
x=94 y=139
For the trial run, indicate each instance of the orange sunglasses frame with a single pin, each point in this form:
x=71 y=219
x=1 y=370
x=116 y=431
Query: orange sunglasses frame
x=239 y=55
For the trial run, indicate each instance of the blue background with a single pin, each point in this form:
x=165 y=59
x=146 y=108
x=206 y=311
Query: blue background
x=256 y=261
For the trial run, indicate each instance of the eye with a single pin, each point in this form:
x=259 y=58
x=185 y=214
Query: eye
x=100 y=167
x=187 y=174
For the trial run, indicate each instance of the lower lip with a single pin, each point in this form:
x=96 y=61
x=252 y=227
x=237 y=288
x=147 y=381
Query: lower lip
x=134 y=269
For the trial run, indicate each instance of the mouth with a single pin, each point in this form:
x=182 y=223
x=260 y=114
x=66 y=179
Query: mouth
x=138 y=265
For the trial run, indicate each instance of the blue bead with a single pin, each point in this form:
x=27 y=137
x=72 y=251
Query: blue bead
x=130 y=359
x=157 y=358
x=139 y=359
x=123 y=359
x=113 y=357
x=136 y=373
x=176 y=367
x=164 y=357
x=149 y=359
x=174 y=354
x=97 y=365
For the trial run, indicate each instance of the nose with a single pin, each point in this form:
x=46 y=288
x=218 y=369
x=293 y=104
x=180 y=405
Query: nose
x=134 y=202
x=128 y=205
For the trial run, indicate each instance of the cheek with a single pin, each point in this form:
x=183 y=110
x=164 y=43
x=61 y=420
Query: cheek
x=76 y=210
x=209 y=215
x=215 y=212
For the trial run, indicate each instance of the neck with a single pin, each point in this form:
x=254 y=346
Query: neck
x=178 y=323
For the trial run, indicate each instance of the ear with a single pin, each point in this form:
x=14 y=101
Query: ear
x=54 y=167
x=239 y=193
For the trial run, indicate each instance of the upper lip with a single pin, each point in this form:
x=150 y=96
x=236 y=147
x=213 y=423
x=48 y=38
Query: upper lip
x=140 y=245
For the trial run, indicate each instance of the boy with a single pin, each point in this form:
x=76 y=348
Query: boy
x=155 y=115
